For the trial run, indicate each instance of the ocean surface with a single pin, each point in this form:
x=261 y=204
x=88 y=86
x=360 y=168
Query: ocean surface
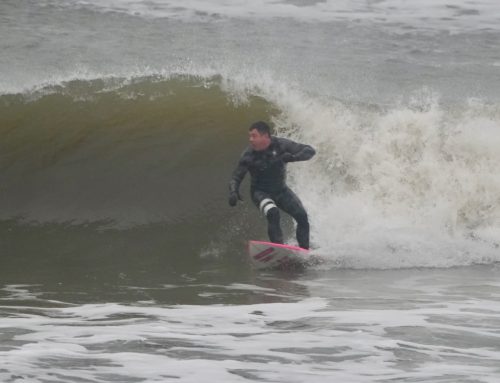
x=120 y=124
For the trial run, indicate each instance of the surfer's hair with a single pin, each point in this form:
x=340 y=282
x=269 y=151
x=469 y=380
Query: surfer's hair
x=261 y=127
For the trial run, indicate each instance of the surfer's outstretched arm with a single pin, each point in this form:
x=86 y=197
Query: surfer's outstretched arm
x=294 y=151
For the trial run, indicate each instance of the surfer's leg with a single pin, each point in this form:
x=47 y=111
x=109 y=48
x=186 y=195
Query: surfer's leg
x=268 y=208
x=291 y=204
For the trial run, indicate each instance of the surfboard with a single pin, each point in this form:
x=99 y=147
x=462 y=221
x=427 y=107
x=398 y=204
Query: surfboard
x=268 y=255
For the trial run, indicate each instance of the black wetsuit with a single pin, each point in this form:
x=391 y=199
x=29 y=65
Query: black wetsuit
x=268 y=185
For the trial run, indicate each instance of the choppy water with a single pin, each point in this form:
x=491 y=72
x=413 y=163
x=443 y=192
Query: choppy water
x=120 y=123
x=353 y=326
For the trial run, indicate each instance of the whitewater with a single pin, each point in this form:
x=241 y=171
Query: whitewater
x=121 y=121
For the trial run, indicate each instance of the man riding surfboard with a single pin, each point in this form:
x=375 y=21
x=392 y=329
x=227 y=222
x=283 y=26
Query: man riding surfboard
x=265 y=159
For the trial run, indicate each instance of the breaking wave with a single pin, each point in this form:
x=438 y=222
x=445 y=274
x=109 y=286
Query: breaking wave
x=414 y=184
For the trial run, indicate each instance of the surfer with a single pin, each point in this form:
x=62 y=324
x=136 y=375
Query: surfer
x=266 y=159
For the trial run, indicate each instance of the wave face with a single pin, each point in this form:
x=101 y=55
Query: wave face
x=113 y=174
x=413 y=185
x=151 y=151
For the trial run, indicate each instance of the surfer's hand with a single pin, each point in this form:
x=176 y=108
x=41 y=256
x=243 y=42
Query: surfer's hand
x=234 y=197
x=287 y=157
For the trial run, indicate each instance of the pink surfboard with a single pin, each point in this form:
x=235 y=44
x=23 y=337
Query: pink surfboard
x=268 y=255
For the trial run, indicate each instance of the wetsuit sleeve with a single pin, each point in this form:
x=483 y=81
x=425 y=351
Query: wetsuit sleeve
x=238 y=174
x=299 y=152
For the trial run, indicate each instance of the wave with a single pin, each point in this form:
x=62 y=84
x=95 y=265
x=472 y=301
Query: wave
x=410 y=185
x=144 y=152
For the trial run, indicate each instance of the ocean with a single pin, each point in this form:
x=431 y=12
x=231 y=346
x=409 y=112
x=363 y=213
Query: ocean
x=121 y=122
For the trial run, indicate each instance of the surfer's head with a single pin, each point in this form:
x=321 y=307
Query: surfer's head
x=259 y=135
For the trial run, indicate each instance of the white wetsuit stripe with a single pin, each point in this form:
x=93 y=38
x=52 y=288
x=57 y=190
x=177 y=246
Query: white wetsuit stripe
x=268 y=207
x=264 y=202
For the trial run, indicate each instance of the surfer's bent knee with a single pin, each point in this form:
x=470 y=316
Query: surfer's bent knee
x=267 y=206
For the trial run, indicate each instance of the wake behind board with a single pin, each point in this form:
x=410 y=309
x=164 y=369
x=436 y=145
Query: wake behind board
x=268 y=255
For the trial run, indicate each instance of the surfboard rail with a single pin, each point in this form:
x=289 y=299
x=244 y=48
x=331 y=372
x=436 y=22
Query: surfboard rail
x=265 y=255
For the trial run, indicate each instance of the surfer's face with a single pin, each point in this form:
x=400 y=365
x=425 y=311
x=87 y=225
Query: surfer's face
x=258 y=141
